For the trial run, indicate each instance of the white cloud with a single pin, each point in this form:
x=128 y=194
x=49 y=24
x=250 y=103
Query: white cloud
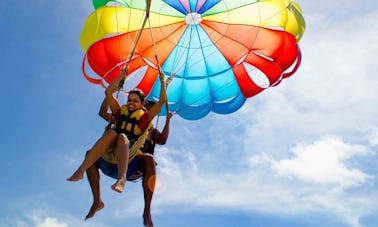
x=49 y=222
x=324 y=162
x=192 y=185
x=373 y=136
x=46 y=218
x=38 y=218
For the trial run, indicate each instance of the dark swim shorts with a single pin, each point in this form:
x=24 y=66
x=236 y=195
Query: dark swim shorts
x=111 y=170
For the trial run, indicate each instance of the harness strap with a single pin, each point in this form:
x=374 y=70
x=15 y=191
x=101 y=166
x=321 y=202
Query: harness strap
x=138 y=144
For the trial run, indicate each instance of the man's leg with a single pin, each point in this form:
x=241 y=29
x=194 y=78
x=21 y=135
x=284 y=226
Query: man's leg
x=94 y=181
x=149 y=179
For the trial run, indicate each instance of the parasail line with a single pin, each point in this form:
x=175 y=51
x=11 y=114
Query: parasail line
x=125 y=68
x=157 y=59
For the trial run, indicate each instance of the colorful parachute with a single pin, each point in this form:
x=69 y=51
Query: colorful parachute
x=218 y=53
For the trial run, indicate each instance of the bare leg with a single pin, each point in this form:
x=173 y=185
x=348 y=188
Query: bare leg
x=94 y=181
x=149 y=179
x=94 y=154
x=121 y=152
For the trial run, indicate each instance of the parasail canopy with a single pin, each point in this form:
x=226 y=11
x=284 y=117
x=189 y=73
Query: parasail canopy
x=218 y=53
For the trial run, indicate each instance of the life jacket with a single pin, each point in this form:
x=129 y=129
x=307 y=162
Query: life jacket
x=127 y=123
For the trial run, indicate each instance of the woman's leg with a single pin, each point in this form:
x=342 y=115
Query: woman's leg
x=98 y=150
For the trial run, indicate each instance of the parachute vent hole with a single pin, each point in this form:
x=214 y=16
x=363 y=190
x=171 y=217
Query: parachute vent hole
x=114 y=3
x=149 y=63
x=113 y=34
x=241 y=60
x=193 y=18
x=263 y=56
x=291 y=68
x=134 y=78
x=277 y=28
x=257 y=76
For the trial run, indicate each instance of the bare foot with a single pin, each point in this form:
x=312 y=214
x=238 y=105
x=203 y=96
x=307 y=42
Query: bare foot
x=94 y=208
x=147 y=220
x=78 y=175
x=119 y=185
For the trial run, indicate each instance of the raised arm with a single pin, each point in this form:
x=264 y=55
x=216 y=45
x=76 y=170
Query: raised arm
x=104 y=111
x=113 y=86
x=155 y=109
x=161 y=137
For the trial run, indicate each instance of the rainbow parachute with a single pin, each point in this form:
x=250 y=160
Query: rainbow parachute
x=217 y=53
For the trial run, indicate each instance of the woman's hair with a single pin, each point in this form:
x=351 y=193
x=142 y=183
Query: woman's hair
x=138 y=92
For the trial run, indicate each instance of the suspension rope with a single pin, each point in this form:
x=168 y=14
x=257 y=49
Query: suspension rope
x=157 y=59
x=125 y=68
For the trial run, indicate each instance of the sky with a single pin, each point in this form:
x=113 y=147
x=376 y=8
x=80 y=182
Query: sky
x=303 y=153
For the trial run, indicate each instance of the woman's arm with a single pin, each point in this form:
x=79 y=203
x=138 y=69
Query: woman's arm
x=155 y=109
x=113 y=87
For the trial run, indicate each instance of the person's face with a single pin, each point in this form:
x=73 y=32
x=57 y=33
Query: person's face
x=134 y=102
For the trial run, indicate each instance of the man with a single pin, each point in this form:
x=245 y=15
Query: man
x=145 y=167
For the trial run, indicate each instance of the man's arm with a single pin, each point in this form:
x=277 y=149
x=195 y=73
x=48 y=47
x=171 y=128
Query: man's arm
x=104 y=111
x=161 y=137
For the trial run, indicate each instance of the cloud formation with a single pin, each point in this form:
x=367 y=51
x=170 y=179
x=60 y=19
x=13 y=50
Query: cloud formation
x=324 y=162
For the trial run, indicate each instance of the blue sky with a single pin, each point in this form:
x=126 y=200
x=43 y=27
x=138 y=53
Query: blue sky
x=303 y=153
